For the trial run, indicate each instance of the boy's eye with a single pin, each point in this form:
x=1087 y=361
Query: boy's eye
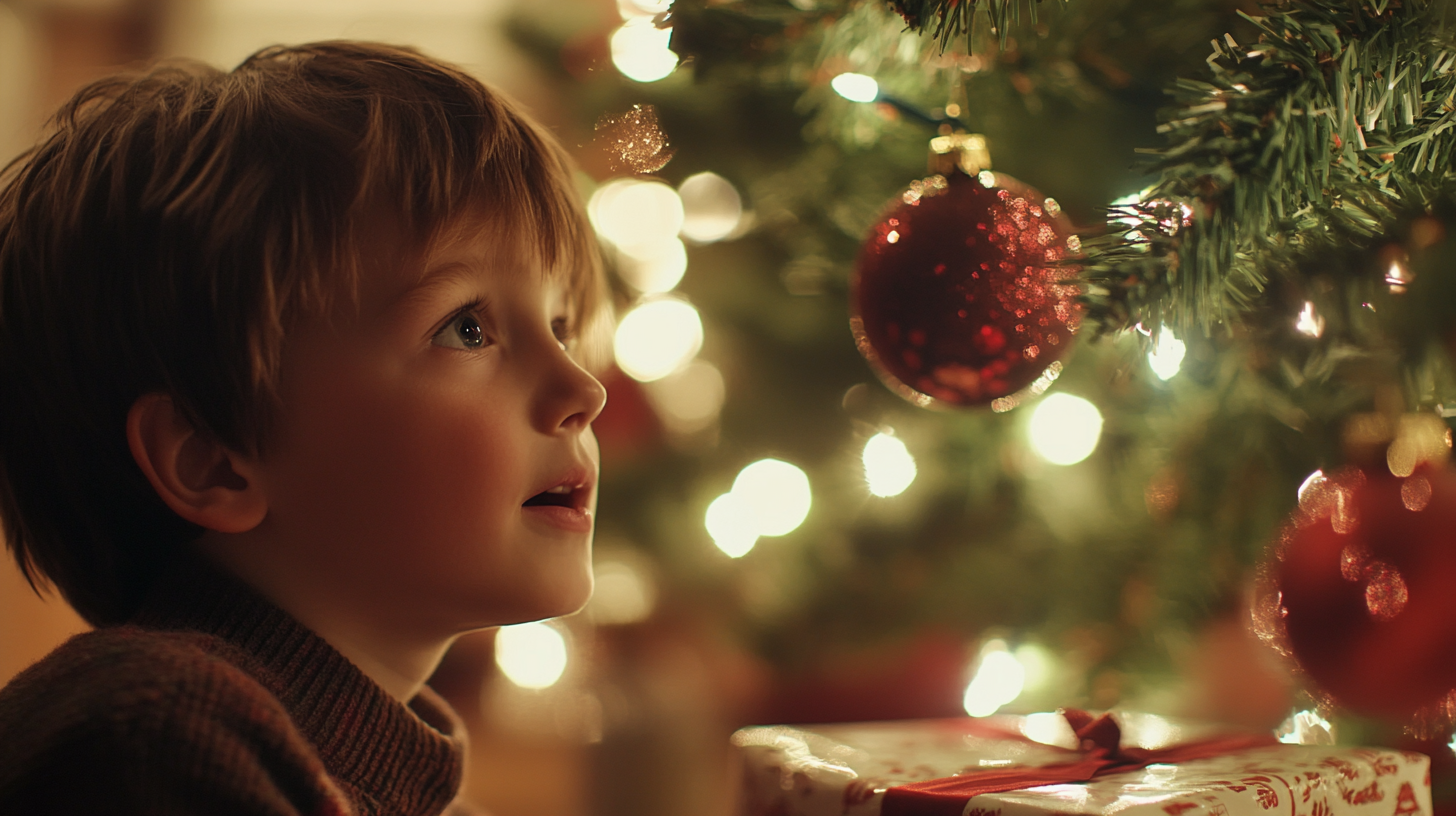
x=562 y=330
x=464 y=332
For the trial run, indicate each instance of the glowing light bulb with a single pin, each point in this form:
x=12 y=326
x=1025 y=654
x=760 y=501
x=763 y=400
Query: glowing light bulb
x=856 y=87
x=999 y=679
x=1166 y=356
x=776 y=495
x=1309 y=323
x=691 y=399
x=889 y=467
x=622 y=593
x=1306 y=728
x=658 y=273
x=640 y=50
x=531 y=655
x=730 y=522
x=1048 y=728
x=712 y=207
x=1064 y=429
x=658 y=338
x=639 y=217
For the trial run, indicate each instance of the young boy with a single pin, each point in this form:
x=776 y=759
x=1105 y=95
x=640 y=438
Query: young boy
x=288 y=401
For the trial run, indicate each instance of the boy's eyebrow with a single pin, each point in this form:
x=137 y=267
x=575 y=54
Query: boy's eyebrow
x=444 y=276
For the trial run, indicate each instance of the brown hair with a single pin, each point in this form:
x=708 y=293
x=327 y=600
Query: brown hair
x=172 y=226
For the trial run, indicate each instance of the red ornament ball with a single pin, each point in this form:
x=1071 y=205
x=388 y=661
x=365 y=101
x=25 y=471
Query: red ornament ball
x=958 y=298
x=1361 y=592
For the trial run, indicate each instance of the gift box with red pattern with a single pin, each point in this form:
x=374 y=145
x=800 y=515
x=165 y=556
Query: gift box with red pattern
x=1072 y=763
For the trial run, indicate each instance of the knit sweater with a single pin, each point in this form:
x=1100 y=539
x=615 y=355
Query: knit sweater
x=214 y=701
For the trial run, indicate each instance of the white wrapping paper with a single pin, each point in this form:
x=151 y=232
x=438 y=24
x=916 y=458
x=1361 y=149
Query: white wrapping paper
x=843 y=770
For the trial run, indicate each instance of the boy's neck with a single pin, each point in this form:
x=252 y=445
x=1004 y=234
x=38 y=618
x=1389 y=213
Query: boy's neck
x=400 y=664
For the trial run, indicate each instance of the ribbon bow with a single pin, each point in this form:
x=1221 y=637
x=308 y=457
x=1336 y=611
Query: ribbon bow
x=1101 y=754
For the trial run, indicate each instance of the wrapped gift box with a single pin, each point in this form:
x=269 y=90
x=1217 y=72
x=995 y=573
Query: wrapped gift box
x=936 y=768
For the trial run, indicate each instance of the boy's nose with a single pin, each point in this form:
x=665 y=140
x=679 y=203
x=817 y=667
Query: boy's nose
x=575 y=399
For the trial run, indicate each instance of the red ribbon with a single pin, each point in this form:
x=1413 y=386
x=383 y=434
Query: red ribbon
x=1101 y=755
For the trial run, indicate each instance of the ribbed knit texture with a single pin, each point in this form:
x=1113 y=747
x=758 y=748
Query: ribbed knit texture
x=213 y=700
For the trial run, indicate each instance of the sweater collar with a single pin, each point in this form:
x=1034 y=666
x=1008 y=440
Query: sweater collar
x=397 y=759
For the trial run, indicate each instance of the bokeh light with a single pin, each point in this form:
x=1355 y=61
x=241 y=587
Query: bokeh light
x=712 y=207
x=1048 y=728
x=657 y=338
x=640 y=50
x=889 y=468
x=1306 y=728
x=1309 y=322
x=658 y=273
x=856 y=87
x=624 y=593
x=638 y=217
x=689 y=400
x=998 y=680
x=730 y=522
x=776 y=495
x=1064 y=429
x=531 y=655
x=1166 y=356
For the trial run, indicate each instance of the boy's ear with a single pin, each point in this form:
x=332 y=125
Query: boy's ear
x=200 y=479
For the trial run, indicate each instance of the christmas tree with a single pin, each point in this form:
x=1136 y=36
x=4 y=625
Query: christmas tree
x=1248 y=208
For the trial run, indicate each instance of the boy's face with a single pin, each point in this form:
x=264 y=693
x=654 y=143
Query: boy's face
x=433 y=460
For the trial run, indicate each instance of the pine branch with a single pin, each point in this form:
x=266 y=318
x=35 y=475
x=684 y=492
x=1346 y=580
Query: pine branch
x=1316 y=134
x=948 y=20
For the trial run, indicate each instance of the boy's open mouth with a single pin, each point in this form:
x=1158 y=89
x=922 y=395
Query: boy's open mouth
x=559 y=496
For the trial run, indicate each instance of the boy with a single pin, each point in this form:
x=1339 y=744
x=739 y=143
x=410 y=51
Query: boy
x=288 y=404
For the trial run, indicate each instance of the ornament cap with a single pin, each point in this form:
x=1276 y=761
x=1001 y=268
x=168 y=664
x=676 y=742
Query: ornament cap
x=966 y=152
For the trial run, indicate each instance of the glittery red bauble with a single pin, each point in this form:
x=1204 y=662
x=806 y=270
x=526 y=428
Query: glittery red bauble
x=1363 y=589
x=958 y=298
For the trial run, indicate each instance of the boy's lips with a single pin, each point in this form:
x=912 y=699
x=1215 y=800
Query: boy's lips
x=565 y=502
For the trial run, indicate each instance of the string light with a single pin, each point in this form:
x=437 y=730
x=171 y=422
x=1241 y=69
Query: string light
x=638 y=217
x=1309 y=323
x=657 y=338
x=999 y=679
x=689 y=400
x=730 y=522
x=776 y=494
x=1166 y=356
x=889 y=468
x=712 y=208
x=658 y=273
x=622 y=594
x=640 y=50
x=1064 y=429
x=856 y=87
x=531 y=655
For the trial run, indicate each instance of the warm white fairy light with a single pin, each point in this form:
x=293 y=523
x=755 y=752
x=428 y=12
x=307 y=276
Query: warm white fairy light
x=657 y=273
x=1306 y=728
x=889 y=468
x=730 y=522
x=622 y=593
x=657 y=338
x=999 y=679
x=639 y=217
x=1166 y=356
x=531 y=655
x=712 y=207
x=1064 y=429
x=691 y=399
x=1397 y=276
x=856 y=87
x=776 y=494
x=1048 y=728
x=640 y=50
x=1309 y=322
